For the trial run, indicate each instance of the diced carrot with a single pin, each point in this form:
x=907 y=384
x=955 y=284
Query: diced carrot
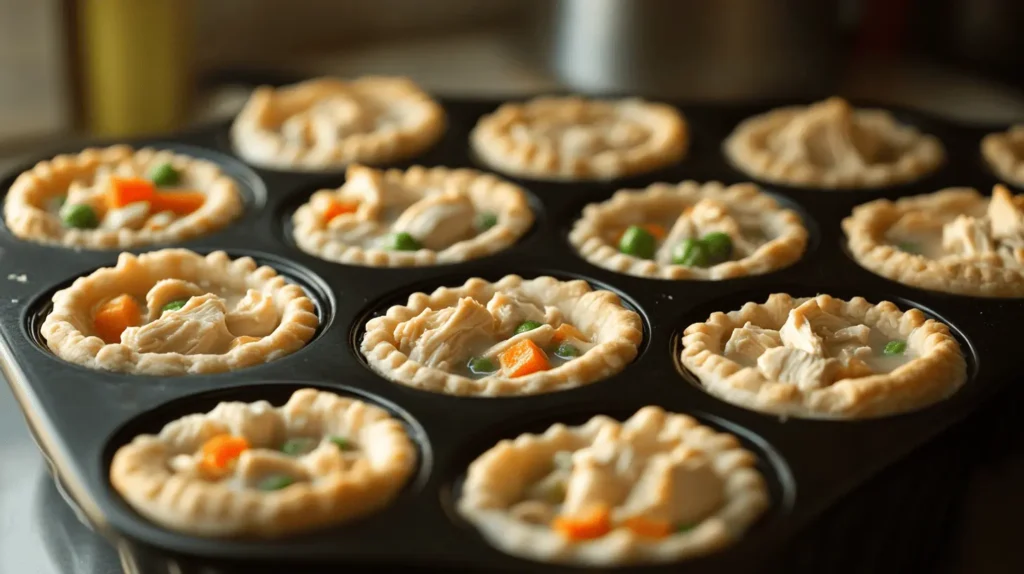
x=565 y=332
x=594 y=525
x=524 y=358
x=179 y=202
x=656 y=230
x=648 y=528
x=221 y=451
x=116 y=315
x=124 y=191
x=336 y=208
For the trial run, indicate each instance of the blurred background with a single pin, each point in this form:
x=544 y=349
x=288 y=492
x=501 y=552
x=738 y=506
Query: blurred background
x=125 y=67
x=73 y=69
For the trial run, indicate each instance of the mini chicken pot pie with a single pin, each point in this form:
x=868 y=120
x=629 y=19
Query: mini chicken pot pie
x=326 y=124
x=420 y=216
x=954 y=240
x=690 y=231
x=573 y=138
x=117 y=197
x=175 y=312
x=252 y=469
x=1004 y=152
x=830 y=145
x=513 y=337
x=657 y=488
x=824 y=357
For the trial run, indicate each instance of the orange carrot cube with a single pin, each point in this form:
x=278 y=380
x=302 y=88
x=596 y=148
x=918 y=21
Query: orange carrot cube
x=524 y=358
x=116 y=315
x=594 y=525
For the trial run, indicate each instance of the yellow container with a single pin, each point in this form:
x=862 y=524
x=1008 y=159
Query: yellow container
x=136 y=76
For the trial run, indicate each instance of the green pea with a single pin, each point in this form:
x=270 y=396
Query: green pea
x=895 y=348
x=527 y=326
x=174 y=305
x=341 y=442
x=276 y=482
x=908 y=247
x=638 y=242
x=164 y=175
x=485 y=221
x=403 y=242
x=80 y=216
x=297 y=446
x=685 y=527
x=718 y=246
x=567 y=351
x=481 y=366
x=691 y=253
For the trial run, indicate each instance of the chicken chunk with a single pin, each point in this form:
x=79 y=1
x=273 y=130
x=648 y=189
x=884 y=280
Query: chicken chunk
x=439 y=339
x=827 y=135
x=131 y=216
x=253 y=316
x=852 y=334
x=680 y=487
x=511 y=310
x=256 y=465
x=967 y=236
x=798 y=333
x=541 y=336
x=166 y=291
x=750 y=341
x=1007 y=220
x=798 y=367
x=599 y=476
x=197 y=328
x=438 y=220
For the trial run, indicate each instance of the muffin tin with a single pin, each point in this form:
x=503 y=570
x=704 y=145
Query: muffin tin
x=80 y=416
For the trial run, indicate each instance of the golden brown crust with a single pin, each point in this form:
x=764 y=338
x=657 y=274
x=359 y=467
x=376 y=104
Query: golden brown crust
x=867 y=226
x=487 y=193
x=411 y=122
x=915 y=154
x=627 y=207
x=68 y=328
x=936 y=372
x=142 y=473
x=618 y=334
x=508 y=139
x=488 y=493
x=27 y=217
x=1002 y=151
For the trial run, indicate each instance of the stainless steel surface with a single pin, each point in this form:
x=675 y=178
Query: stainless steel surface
x=39 y=533
x=698 y=49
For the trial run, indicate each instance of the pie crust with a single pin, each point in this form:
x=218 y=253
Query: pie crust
x=615 y=333
x=831 y=145
x=288 y=317
x=327 y=123
x=725 y=493
x=787 y=237
x=341 y=488
x=27 y=216
x=1004 y=152
x=445 y=202
x=935 y=370
x=981 y=266
x=574 y=138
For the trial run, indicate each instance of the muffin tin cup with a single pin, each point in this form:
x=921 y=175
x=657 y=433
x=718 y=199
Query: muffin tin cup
x=80 y=416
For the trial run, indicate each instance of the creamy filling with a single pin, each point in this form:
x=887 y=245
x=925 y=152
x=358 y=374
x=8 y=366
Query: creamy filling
x=509 y=337
x=705 y=234
x=994 y=236
x=813 y=349
x=232 y=462
x=629 y=479
x=372 y=214
x=183 y=317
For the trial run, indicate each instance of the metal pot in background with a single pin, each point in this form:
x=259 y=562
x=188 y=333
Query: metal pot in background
x=697 y=49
